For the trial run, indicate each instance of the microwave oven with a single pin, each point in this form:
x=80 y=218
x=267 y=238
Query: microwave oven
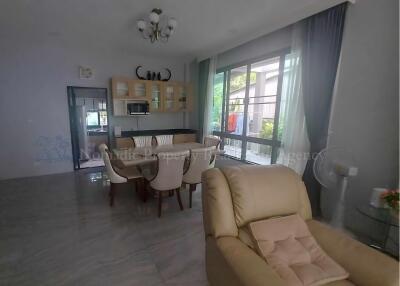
x=138 y=108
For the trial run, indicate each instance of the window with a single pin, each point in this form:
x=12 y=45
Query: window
x=92 y=118
x=103 y=117
x=246 y=109
x=96 y=118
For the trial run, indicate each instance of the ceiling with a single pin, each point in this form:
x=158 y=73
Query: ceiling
x=205 y=27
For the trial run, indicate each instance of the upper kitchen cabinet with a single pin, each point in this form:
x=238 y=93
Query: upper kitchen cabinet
x=170 y=97
x=139 y=89
x=184 y=97
x=156 y=91
x=121 y=87
x=161 y=96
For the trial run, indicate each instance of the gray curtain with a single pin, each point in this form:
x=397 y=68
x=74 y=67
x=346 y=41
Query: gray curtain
x=320 y=56
x=202 y=92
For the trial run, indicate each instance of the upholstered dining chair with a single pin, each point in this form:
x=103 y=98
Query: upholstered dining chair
x=168 y=176
x=209 y=141
x=164 y=139
x=199 y=162
x=142 y=141
x=119 y=175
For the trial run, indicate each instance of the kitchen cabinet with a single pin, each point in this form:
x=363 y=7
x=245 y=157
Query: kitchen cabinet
x=162 y=96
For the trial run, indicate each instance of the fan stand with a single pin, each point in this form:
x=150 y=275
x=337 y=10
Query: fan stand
x=337 y=219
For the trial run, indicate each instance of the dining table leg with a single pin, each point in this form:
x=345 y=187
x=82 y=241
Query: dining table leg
x=142 y=190
x=159 y=203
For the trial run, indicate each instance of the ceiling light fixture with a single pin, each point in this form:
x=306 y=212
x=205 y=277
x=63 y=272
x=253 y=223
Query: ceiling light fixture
x=153 y=31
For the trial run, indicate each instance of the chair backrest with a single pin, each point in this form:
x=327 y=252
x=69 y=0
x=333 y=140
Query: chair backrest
x=170 y=170
x=236 y=195
x=164 y=139
x=199 y=162
x=211 y=140
x=102 y=148
x=112 y=175
x=142 y=141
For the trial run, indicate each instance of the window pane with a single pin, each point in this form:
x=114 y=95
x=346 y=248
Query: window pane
x=103 y=118
x=233 y=147
x=217 y=102
x=237 y=92
x=92 y=118
x=258 y=153
x=262 y=98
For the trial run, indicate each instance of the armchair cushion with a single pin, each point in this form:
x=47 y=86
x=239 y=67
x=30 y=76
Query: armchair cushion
x=288 y=246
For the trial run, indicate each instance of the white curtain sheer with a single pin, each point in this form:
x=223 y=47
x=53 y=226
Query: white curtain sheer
x=295 y=146
x=208 y=106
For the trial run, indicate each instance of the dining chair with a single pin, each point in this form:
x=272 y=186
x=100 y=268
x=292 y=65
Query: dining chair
x=168 y=176
x=164 y=139
x=119 y=175
x=209 y=141
x=142 y=141
x=199 y=162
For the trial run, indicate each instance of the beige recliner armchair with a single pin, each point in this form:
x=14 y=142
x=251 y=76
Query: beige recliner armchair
x=235 y=196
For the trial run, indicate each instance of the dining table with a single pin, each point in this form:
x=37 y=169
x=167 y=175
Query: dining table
x=144 y=155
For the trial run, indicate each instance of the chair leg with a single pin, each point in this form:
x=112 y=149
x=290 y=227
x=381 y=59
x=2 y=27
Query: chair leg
x=178 y=196
x=192 y=188
x=112 y=193
x=159 y=203
x=171 y=193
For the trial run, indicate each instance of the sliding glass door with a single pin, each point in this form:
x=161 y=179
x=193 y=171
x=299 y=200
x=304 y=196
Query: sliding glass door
x=246 y=108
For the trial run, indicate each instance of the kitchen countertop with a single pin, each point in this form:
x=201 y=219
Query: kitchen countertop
x=156 y=132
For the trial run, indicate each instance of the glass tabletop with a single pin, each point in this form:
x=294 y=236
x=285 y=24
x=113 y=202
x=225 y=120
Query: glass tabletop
x=382 y=215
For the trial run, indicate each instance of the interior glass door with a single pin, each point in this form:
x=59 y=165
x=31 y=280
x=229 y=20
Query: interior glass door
x=88 y=112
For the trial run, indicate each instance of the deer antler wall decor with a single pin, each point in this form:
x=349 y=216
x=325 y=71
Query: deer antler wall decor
x=152 y=75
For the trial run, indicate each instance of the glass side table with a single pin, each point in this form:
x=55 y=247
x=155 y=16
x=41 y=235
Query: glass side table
x=383 y=216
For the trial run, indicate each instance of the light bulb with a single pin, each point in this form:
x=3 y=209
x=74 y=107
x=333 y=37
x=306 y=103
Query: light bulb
x=141 y=24
x=154 y=17
x=172 y=23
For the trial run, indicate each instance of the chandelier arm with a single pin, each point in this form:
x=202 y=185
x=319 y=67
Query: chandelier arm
x=145 y=34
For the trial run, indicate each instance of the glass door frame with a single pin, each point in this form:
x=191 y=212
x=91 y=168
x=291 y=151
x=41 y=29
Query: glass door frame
x=274 y=142
x=73 y=122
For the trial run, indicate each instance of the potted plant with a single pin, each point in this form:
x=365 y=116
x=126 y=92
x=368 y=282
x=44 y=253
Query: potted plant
x=392 y=198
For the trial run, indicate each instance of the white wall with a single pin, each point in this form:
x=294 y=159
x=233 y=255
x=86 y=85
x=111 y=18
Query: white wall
x=33 y=100
x=366 y=105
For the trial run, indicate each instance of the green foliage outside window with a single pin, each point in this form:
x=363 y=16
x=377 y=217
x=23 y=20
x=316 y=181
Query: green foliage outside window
x=267 y=129
x=239 y=81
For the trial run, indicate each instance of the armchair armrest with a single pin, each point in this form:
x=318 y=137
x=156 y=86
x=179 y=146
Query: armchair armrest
x=367 y=266
x=230 y=262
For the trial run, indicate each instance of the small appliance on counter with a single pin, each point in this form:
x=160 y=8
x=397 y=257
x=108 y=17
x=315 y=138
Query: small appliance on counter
x=138 y=107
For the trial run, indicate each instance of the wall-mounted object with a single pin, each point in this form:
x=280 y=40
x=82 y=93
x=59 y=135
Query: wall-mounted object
x=153 y=75
x=153 y=31
x=85 y=72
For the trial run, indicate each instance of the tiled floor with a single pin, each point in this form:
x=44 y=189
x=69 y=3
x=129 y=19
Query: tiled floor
x=59 y=230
